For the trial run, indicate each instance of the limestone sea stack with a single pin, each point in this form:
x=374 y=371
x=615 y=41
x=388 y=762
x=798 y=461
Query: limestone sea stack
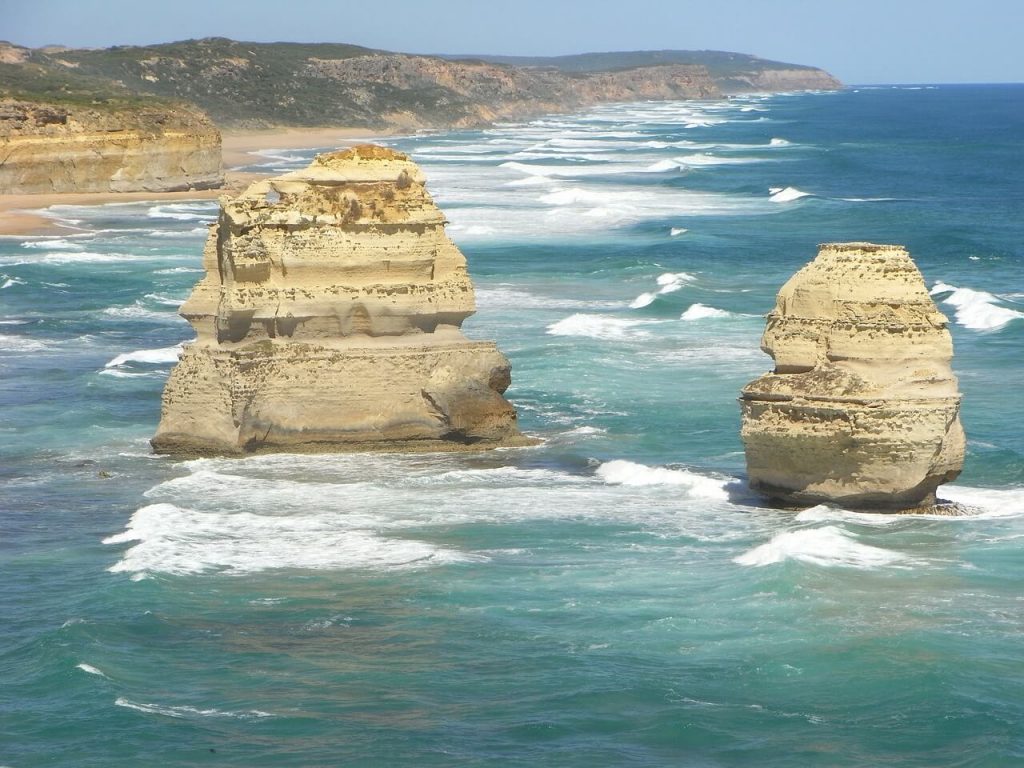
x=862 y=409
x=329 y=319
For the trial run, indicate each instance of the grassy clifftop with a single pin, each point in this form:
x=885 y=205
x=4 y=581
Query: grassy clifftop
x=300 y=84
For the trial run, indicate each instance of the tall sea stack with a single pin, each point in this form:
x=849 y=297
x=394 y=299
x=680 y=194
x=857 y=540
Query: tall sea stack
x=862 y=408
x=329 y=319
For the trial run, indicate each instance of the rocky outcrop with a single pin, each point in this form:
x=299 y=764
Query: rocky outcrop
x=55 y=147
x=774 y=80
x=862 y=408
x=329 y=319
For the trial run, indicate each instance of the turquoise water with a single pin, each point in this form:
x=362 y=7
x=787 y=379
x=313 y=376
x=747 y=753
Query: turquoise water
x=612 y=597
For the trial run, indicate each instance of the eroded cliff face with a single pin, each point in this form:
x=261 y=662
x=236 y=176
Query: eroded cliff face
x=473 y=93
x=60 y=148
x=779 y=79
x=329 y=319
x=862 y=408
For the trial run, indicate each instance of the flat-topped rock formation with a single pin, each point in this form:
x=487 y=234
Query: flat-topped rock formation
x=862 y=408
x=329 y=319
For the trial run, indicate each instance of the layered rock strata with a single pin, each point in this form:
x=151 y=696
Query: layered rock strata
x=329 y=319
x=862 y=408
x=69 y=148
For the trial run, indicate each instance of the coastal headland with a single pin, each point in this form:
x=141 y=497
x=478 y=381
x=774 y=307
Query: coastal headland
x=166 y=121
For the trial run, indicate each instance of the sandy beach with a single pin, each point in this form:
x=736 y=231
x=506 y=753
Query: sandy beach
x=21 y=214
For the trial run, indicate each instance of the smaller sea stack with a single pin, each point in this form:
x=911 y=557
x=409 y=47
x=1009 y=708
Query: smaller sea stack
x=862 y=409
x=329 y=319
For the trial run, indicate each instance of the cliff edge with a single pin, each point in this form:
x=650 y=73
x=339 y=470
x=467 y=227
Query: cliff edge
x=862 y=408
x=329 y=319
x=61 y=147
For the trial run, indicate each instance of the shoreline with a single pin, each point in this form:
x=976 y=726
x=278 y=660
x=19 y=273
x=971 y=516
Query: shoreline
x=21 y=214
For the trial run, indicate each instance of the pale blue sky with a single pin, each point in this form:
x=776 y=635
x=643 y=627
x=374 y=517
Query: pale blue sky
x=859 y=41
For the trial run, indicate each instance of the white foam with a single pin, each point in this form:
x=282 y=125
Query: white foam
x=779 y=143
x=673 y=281
x=703 y=312
x=136 y=312
x=600 y=327
x=53 y=244
x=662 y=166
x=530 y=181
x=11 y=282
x=90 y=669
x=676 y=231
x=149 y=356
x=976 y=310
x=993 y=502
x=622 y=472
x=177 y=271
x=185 y=711
x=9 y=343
x=828 y=546
x=668 y=282
x=183 y=212
x=643 y=300
x=169 y=301
x=176 y=540
x=706 y=159
x=786 y=194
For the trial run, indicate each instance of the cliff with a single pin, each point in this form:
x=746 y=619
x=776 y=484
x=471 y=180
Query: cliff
x=731 y=72
x=69 y=147
x=299 y=84
x=862 y=408
x=329 y=319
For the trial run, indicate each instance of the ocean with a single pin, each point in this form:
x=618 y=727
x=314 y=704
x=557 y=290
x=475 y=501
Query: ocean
x=612 y=597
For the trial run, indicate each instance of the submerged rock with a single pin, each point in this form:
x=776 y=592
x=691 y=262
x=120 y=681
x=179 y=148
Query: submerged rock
x=329 y=319
x=862 y=408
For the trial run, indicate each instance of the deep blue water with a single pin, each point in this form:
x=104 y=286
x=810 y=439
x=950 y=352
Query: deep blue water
x=612 y=597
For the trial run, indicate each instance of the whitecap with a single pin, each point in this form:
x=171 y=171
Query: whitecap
x=530 y=181
x=643 y=300
x=779 y=143
x=53 y=244
x=9 y=343
x=676 y=231
x=662 y=166
x=175 y=540
x=786 y=194
x=703 y=312
x=185 y=711
x=10 y=282
x=600 y=327
x=828 y=546
x=622 y=472
x=149 y=356
x=178 y=271
x=993 y=502
x=705 y=159
x=90 y=669
x=976 y=310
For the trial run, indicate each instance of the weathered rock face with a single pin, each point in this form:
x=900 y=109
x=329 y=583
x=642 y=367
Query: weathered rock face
x=329 y=319
x=780 y=79
x=61 y=148
x=862 y=408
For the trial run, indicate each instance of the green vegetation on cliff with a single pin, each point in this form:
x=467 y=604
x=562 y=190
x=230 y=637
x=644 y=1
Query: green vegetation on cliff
x=302 y=84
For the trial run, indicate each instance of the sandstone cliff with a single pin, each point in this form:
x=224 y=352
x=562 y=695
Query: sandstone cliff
x=329 y=319
x=779 y=79
x=60 y=147
x=862 y=408
x=299 y=84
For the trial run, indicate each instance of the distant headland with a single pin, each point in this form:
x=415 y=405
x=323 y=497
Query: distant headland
x=149 y=118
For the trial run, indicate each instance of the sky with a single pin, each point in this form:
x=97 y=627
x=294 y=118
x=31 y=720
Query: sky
x=858 y=41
